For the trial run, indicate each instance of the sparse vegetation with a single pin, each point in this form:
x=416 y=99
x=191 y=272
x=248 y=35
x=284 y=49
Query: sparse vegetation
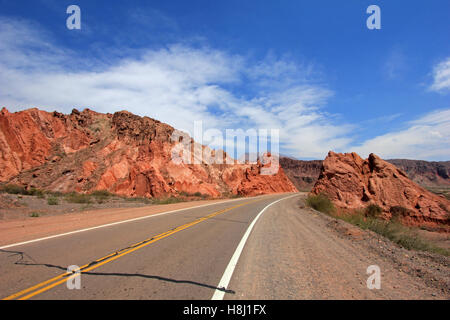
x=52 y=201
x=74 y=197
x=320 y=203
x=138 y=199
x=404 y=236
x=34 y=215
x=373 y=211
x=101 y=195
x=20 y=190
x=442 y=191
x=369 y=219
x=54 y=193
x=398 y=212
x=14 y=189
x=195 y=194
x=168 y=200
x=228 y=195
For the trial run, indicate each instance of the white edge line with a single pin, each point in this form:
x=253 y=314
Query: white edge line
x=115 y=223
x=225 y=281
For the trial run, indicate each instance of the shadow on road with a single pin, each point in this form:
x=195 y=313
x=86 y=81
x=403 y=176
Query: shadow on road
x=159 y=278
x=25 y=263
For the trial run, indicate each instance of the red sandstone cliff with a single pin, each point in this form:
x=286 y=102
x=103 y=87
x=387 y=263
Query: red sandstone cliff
x=434 y=174
x=352 y=182
x=122 y=153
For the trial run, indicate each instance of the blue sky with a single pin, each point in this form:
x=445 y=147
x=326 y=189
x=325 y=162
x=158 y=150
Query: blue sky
x=310 y=68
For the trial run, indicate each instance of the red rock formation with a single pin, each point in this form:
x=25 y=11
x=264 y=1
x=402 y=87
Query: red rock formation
x=122 y=153
x=27 y=138
x=434 y=174
x=353 y=183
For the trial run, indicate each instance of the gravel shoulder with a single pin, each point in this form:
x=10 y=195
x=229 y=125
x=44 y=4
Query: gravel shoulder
x=295 y=252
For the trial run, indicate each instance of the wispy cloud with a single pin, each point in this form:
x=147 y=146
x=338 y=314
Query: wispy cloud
x=182 y=83
x=427 y=137
x=396 y=64
x=441 y=76
x=177 y=85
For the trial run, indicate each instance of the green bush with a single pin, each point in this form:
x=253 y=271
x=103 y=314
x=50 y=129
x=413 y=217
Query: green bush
x=398 y=212
x=320 y=203
x=34 y=215
x=52 y=201
x=393 y=230
x=101 y=195
x=196 y=194
x=14 y=189
x=36 y=192
x=54 y=193
x=373 y=211
x=74 y=197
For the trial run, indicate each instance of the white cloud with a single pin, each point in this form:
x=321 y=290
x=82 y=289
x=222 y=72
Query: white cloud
x=441 y=76
x=181 y=84
x=177 y=85
x=426 y=138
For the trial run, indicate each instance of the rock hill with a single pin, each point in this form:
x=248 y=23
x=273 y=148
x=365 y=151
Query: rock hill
x=434 y=174
x=352 y=183
x=121 y=153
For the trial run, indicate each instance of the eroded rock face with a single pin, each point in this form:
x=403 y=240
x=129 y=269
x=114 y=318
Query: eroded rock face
x=352 y=183
x=33 y=137
x=434 y=174
x=122 y=153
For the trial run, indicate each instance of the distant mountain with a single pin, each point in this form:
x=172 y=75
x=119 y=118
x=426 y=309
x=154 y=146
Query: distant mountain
x=425 y=173
x=304 y=174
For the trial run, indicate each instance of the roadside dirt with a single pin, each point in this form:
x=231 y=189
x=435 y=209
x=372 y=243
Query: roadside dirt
x=298 y=253
x=13 y=207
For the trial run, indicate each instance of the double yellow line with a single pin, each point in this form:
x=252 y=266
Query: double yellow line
x=53 y=282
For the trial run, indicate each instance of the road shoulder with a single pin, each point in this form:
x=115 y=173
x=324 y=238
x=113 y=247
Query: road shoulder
x=297 y=253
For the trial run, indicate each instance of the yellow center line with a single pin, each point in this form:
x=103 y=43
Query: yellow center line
x=53 y=282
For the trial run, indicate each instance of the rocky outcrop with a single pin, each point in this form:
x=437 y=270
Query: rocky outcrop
x=352 y=183
x=303 y=174
x=430 y=174
x=121 y=152
x=31 y=138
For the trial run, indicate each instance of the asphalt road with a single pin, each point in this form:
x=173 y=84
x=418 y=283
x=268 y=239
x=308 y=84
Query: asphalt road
x=180 y=255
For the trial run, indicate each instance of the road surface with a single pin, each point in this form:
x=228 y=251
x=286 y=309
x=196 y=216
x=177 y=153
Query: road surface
x=289 y=254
